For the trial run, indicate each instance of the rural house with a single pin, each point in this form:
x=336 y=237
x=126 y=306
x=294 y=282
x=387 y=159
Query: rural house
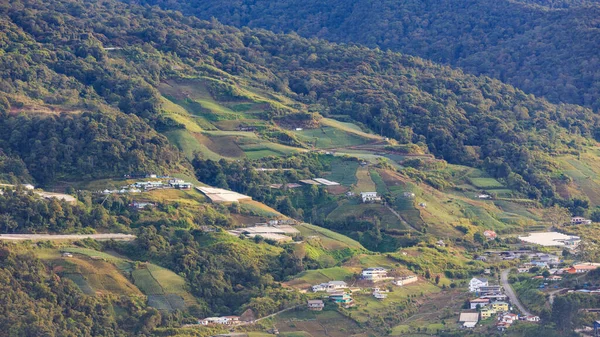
x=489 y=234
x=315 y=305
x=476 y=283
x=374 y=274
x=369 y=196
x=580 y=221
x=330 y=286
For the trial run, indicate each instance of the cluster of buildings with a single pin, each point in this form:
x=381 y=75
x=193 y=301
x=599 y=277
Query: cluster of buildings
x=491 y=301
x=223 y=320
x=551 y=262
x=140 y=186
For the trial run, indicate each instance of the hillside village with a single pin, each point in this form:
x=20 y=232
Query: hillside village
x=168 y=175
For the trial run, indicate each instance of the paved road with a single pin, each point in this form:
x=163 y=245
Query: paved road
x=37 y=237
x=511 y=293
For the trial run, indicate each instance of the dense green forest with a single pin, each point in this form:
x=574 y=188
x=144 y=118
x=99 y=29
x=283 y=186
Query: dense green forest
x=461 y=118
x=544 y=51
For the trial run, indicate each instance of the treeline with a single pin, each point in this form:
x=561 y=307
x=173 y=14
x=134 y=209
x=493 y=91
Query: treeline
x=86 y=145
x=37 y=302
x=21 y=211
x=228 y=275
x=544 y=51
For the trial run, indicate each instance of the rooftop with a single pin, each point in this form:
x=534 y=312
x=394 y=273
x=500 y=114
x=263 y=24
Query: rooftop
x=469 y=317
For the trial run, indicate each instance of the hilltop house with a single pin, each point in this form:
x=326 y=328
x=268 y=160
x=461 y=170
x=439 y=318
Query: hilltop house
x=374 y=274
x=369 y=196
x=315 y=305
x=476 y=283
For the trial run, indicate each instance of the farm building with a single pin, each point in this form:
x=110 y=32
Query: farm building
x=326 y=182
x=219 y=195
x=369 y=196
x=580 y=221
x=469 y=319
x=315 y=305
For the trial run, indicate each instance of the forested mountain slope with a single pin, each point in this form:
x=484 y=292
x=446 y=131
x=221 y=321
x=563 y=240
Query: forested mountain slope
x=544 y=51
x=56 y=55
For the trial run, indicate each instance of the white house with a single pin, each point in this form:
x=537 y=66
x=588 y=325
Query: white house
x=374 y=274
x=531 y=318
x=580 y=221
x=223 y=320
x=369 y=196
x=330 y=286
x=476 y=283
x=379 y=295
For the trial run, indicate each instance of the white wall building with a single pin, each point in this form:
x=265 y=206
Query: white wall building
x=369 y=196
x=476 y=283
x=374 y=274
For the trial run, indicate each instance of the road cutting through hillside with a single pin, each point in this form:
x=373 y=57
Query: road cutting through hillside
x=56 y=237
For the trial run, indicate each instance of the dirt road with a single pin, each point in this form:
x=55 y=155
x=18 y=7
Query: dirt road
x=38 y=237
x=511 y=293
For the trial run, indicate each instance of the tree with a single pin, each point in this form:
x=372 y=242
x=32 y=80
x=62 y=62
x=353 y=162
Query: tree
x=557 y=215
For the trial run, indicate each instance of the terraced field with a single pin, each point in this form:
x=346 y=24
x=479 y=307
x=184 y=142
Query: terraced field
x=97 y=272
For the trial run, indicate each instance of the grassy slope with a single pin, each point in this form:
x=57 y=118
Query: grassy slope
x=99 y=272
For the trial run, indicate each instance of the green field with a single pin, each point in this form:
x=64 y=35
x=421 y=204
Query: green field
x=486 y=183
x=380 y=186
x=327 y=137
x=343 y=172
x=330 y=239
x=364 y=182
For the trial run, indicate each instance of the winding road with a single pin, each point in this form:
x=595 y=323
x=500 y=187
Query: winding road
x=511 y=293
